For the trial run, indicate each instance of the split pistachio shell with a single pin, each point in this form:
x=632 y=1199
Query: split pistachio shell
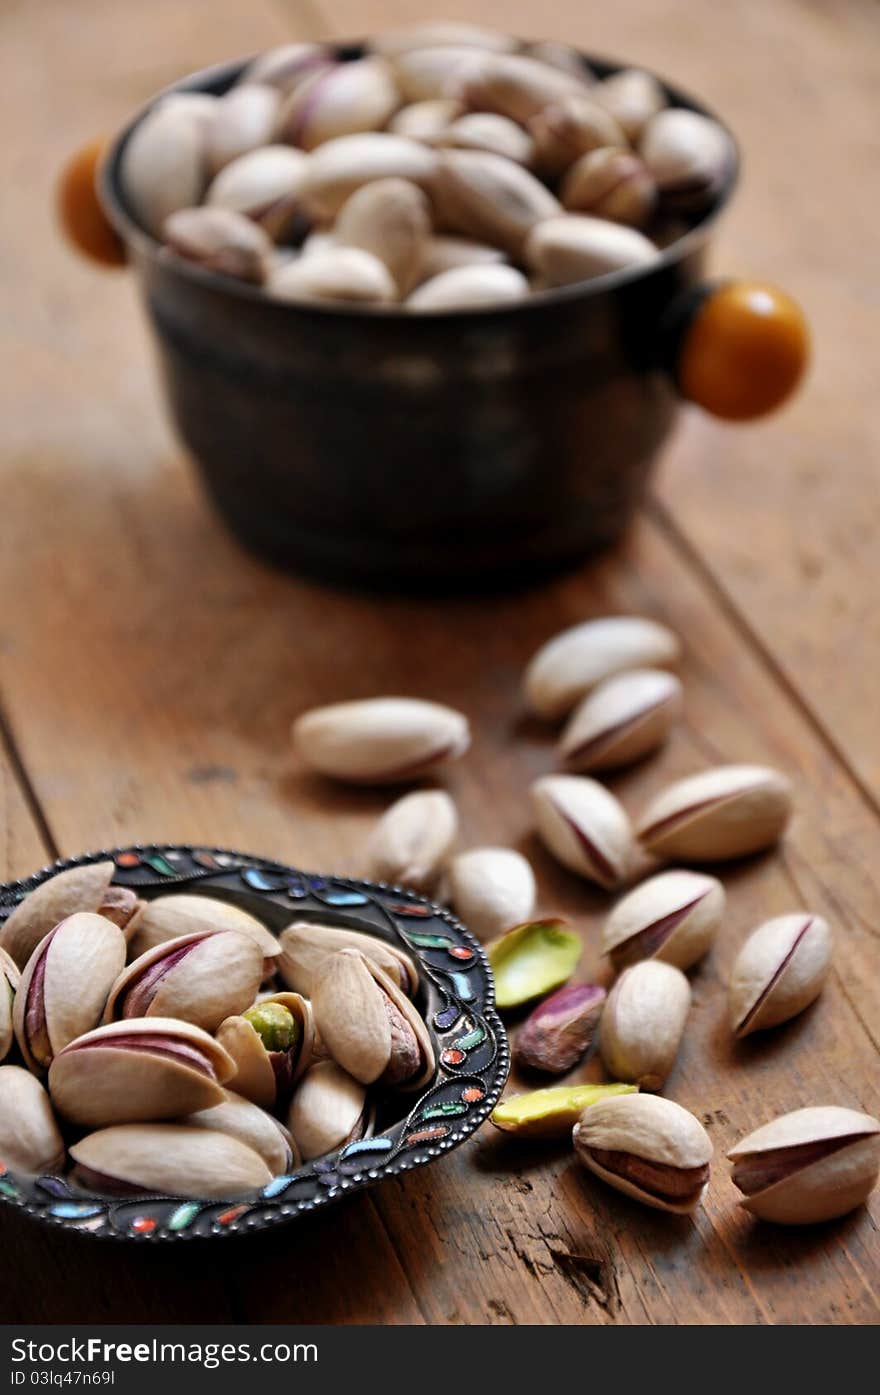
x=571 y=664
x=531 y=960
x=613 y=184
x=567 y=129
x=585 y=828
x=140 y=1069
x=220 y=240
x=172 y=1158
x=485 y=130
x=307 y=947
x=516 y=86
x=425 y=121
x=245 y=119
x=575 y=248
x=168 y=917
x=163 y=164
x=633 y=97
x=491 y=889
x=65 y=985
x=649 y=1148
x=201 y=978
x=814 y=1164
x=389 y=218
x=560 y=1031
x=239 y=1118
x=337 y=274
x=470 y=286
x=490 y=198
x=264 y=185
x=9 y=981
x=380 y=740
x=423 y=74
x=673 y=917
x=443 y=253
x=413 y=839
x=339 y=99
x=441 y=34
x=623 y=719
x=725 y=812
x=266 y=1076
x=779 y=971
x=29 y=1138
x=78 y=889
x=329 y=1109
x=689 y=155
x=643 y=1023
x=551 y=1113
x=287 y=65
x=368 y=1026
x=339 y=167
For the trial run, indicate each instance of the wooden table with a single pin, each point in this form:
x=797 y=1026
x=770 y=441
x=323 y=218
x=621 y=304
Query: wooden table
x=150 y=671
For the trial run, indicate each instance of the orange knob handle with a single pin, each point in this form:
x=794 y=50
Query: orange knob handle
x=79 y=209
x=744 y=351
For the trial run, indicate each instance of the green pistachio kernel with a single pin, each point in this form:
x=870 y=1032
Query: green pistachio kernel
x=274 y=1024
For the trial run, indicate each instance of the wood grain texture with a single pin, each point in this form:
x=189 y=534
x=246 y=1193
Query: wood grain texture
x=149 y=672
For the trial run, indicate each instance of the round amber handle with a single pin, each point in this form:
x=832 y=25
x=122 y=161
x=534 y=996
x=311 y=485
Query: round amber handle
x=744 y=352
x=79 y=210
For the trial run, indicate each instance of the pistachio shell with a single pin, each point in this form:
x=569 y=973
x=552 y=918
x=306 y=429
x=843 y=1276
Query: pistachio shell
x=77 y=889
x=140 y=1069
x=9 y=981
x=201 y=978
x=633 y=97
x=287 y=65
x=560 y=1030
x=491 y=889
x=265 y=185
x=221 y=241
x=724 y=812
x=307 y=946
x=469 y=286
x=245 y=119
x=490 y=198
x=531 y=960
x=568 y=128
x=337 y=274
x=329 y=1109
x=163 y=164
x=485 y=130
x=779 y=971
x=609 y=183
x=624 y=718
x=412 y=840
x=673 y=916
x=351 y=1001
x=647 y=1147
x=551 y=1113
x=643 y=1023
x=584 y=827
x=380 y=740
x=238 y=1118
x=571 y=664
x=168 y=1158
x=425 y=120
x=811 y=1165
x=442 y=253
x=339 y=167
x=168 y=917
x=441 y=34
x=264 y=1077
x=29 y=1138
x=65 y=985
x=689 y=155
x=516 y=86
x=576 y=248
x=389 y=218
x=339 y=99
x=436 y=71
x=563 y=56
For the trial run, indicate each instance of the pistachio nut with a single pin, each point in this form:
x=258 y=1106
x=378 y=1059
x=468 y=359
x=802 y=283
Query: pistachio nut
x=811 y=1165
x=287 y=65
x=340 y=166
x=329 y=1109
x=307 y=947
x=643 y=1023
x=168 y=917
x=201 y=106
x=265 y=185
x=779 y=971
x=551 y=1113
x=368 y=1026
x=633 y=97
x=576 y=247
x=425 y=121
x=612 y=184
x=271 y=1045
x=515 y=86
x=65 y=985
x=337 y=274
x=379 y=741
x=128 y=1159
x=673 y=916
x=568 y=128
x=689 y=155
x=164 y=164
x=78 y=889
x=486 y=130
x=491 y=889
x=560 y=1031
x=724 y=812
x=571 y=664
x=338 y=99
x=443 y=253
x=531 y=960
x=389 y=218
x=562 y=56
x=9 y=981
x=490 y=198
x=468 y=287
x=221 y=241
x=30 y=1141
x=621 y=720
x=424 y=74
x=140 y=1069
x=202 y=977
x=582 y=824
x=413 y=839
x=647 y=1147
x=239 y=1118
x=245 y=119
x=318 y=240
x=441 y=34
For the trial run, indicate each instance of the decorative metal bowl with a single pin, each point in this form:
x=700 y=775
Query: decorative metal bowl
x=455 y=996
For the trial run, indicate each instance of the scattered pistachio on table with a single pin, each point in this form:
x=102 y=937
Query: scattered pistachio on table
x=643 y=1023
x=560 y=1031
x=585 y=828
x=380 y=740
x=572 y=663
x=648 y=1147
x=624 y=718
x=725 y=812
x=673 y=916
x=779 y=971
x=491 y=889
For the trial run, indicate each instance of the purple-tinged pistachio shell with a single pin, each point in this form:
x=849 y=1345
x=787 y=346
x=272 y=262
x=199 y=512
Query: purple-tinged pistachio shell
x=779 y=971
x=329 y=1109
x=531 y=960
x=287 y=65
x=340 y=99
x=9 y=981
x=648 y=1148
x=133 y=1158
x=572 y=663
x=307 y=946
x=623 y=719
x=368 y=1026
x=724 y=812
x=29 y=1137
x=584 y=827
x=673 y=916
x=271 y=1046
x=169 y=917
x=239 y=1118
x=78 y=889
x=560 y=1031
x=200 y=978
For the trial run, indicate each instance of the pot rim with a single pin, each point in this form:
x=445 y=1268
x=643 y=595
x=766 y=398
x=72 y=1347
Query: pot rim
x=113 y=201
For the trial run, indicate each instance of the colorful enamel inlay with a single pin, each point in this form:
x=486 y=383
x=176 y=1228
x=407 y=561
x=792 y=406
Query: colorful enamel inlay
x=447 y=1017
x=261 y=880
x=429 y=1135
x=144 y=1225
x=276 y=1186
x=233 y=1214
x=417 y=912
x=75 y=1210
x=183 y=1216
x=441 y=1111
x=341 y=896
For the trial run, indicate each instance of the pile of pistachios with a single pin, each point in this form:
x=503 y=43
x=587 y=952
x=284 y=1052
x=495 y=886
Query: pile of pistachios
x=611 y=680
x=215 y=1059
x=443 y=166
